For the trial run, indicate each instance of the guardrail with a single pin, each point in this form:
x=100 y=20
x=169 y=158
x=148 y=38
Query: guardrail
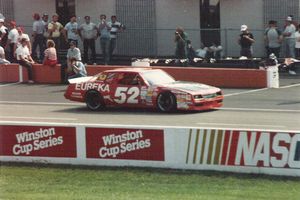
x=232 y=150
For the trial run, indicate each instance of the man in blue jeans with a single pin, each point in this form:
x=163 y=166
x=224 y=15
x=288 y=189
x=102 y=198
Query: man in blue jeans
x=104 y=29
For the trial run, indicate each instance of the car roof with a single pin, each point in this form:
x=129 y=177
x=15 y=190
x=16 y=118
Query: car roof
x=132 y=69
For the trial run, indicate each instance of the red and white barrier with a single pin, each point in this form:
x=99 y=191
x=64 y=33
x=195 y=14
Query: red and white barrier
x=242 y=151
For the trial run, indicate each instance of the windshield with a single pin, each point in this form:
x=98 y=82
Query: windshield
x=157 y=77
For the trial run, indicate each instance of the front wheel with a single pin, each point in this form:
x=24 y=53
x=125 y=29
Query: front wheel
x=166 y=102
x=94 y=100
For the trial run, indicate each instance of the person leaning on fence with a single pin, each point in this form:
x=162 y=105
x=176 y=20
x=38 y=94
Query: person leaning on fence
x=88 y=33
x=289 y=38
x=24 y=58
x=180 y=40
x=273 y=39
x=71 y=31
x=246 y=40
x=116 y=27
x=54 y=30
x=38 y=37
x=78 y=69
x=50 y=57
x=104 y=29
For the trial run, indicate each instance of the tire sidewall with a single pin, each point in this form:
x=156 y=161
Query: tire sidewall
x=99 y=96
x=171 y=107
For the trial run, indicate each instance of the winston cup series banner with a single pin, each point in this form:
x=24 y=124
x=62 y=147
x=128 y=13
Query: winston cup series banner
x=40 y=141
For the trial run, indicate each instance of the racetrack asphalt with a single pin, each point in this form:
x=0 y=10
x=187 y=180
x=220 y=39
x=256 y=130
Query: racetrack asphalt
x=259 y=109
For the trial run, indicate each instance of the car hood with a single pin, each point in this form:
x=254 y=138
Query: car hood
x=192 y=87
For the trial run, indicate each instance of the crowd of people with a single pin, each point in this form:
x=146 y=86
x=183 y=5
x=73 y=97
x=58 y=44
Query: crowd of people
x=46 y=37
x=46 y=42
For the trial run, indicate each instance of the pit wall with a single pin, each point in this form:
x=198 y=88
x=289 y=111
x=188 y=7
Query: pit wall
x=221 y=77
x=231 y=150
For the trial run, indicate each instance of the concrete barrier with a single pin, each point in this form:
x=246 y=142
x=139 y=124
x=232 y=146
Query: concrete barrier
x=232 y=150
x=220 y=77
x=41 y=74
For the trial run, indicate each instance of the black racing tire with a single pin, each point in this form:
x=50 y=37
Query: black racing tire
x=166 y=102
x=94 y=100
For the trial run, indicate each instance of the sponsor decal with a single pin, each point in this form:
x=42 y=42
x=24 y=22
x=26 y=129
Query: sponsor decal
x=133 y=144
x=101 y=87
x=243 y=148
x=37 y=141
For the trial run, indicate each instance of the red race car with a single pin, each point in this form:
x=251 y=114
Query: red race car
x=143 y=88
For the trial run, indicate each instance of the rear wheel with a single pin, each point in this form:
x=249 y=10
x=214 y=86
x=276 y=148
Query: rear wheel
x=166 y=102
x=94 y=100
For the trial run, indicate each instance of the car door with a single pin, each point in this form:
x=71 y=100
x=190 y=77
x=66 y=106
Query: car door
x=128 y=89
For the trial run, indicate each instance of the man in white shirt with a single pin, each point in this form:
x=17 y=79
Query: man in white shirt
x=116 y=27
x=20 y=36
x=2 y=56
x=12 y=40
x=289 y=38
x=3 y=33
x=24 y=58
x=71 y=31
x=88 y=33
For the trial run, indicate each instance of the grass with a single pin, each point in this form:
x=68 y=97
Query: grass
x=61 y=182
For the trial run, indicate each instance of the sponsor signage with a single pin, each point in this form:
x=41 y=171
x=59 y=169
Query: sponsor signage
x=42 y=141
x=244 y=148
x=133 y=144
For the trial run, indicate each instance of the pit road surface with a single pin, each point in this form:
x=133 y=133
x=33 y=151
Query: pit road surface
x=270 y=109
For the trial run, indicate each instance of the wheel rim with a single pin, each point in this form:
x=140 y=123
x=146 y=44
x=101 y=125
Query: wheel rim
x=93 y=100
x=166 y=102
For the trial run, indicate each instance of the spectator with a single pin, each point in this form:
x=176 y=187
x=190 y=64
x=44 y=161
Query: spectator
x=273 y=39
x=12 y=40
x=191 y=54
x=73 y=52
x=180 y=40
x=104 y=29
x=38 y=37
x=55 y=29
x=246 y=40
x=24 y=58
x=50 y=58
x=78 y=69
x=2 y=56
x=71 y=31
x=45 y=19
x=88 y=33
x=297 y=46
x=22 y=35
x=289 y=38
x=115 y=28
x=3 y=33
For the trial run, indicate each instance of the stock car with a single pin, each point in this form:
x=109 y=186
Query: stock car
x=143 y=88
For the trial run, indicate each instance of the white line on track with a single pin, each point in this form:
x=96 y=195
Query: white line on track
x=247 y=125
x=9 y=84
x=38 y=118
x=42 y=103
x=141 y=126
x=245 y=92
x=259 y=110
x=289 y=86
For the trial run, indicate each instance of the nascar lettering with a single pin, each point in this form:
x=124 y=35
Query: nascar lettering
x=243 y=148
x=138 y=144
